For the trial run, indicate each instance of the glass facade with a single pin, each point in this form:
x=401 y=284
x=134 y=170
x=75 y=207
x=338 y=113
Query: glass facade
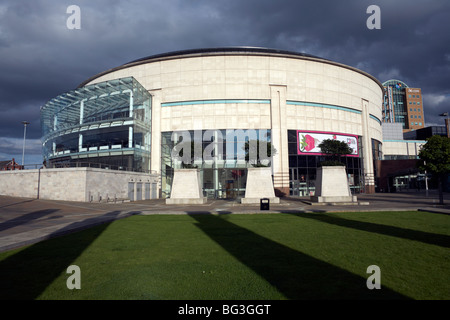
x=220 y=156
x=225 y=176
x=395 y=105
x=303 y=168
x=107 y=124
x=403 y=104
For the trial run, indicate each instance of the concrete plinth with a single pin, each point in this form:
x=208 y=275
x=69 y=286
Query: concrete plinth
x=332 y=187
x=186 y=187
x=259 y=185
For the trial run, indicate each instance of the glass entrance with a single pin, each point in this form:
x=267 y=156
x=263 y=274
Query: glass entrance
x=299 y=183
x=224 y=183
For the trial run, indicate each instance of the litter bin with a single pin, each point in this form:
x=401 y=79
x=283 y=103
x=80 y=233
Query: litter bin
x=264 y=204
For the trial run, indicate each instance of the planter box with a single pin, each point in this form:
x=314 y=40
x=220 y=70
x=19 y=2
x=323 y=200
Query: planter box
x=259 y=185
x=186 y=187
x=332 y=186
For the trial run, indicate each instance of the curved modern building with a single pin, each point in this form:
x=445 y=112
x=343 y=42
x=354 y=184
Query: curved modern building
x=132 y=116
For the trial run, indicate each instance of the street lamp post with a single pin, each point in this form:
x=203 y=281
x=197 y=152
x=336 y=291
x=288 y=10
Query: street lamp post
x=25 y=123
x=447 y=123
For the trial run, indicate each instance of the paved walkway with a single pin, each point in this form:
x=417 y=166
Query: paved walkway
x=26 y=221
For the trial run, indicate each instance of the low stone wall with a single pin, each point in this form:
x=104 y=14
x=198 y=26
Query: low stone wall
x=79 y=184
x=19 y=183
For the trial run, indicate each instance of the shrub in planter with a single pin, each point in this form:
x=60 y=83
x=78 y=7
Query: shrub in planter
x=334 y=150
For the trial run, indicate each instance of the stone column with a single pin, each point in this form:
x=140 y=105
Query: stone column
x=156 y=131
x=369 y=179
x=280 y=164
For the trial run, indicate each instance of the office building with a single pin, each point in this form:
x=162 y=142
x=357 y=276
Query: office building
x=402 y=104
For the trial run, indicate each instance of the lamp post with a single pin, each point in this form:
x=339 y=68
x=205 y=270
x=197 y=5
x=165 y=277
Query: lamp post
x=25 y=123
x=447 y=124
x=426 y=181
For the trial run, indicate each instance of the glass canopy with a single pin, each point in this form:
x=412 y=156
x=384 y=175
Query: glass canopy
x=107 y=100
x=98 y=122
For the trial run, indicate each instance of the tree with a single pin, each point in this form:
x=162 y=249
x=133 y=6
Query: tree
x=436 y=156
x=256 y=150
x=334 y=150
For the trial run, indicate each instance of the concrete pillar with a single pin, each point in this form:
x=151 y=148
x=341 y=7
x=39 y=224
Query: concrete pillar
x=130 y=137
x=80 y=142
x=369 y=179
x=131 y=103
x=81 y=111
x=156 y=131
x=280 y=163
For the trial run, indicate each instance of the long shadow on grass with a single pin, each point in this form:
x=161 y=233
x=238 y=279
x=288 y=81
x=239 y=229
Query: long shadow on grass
x=422 y=236
x=26 y=274
x=295 y=274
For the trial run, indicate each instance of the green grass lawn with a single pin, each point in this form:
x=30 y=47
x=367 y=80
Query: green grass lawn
x=257 y=256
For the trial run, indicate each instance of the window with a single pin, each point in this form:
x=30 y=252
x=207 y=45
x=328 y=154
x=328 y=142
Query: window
x=420 y=123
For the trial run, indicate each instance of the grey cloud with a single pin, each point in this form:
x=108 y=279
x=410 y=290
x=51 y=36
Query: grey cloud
x=40 y=58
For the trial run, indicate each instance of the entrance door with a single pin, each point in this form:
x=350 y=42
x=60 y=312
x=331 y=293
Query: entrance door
x=298 y=182
x=293 y=182
x=139 y=191
x=231 y=183
x=147 y=191
x=131 y=191
x=224 y=183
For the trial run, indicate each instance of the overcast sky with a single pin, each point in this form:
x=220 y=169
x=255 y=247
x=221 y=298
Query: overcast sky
x=41 y=58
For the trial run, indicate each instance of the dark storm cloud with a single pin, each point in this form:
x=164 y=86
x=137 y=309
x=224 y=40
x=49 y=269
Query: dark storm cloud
x=41 y=58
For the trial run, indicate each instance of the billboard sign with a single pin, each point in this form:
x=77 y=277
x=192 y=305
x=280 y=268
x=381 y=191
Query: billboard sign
x=308 y=141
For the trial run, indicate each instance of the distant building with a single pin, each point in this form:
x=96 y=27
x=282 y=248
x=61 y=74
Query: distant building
x=10 y=165
x=404 y=105
x=398 y=169
x=424 y=133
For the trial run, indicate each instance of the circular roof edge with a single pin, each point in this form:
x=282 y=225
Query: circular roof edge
x=236 y=50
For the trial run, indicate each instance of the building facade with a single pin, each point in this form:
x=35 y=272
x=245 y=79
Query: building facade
x=404 y=105
x=134 y=115
x=10 y=165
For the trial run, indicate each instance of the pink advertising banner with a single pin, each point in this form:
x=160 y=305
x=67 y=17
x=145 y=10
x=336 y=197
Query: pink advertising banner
x=308 y=141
